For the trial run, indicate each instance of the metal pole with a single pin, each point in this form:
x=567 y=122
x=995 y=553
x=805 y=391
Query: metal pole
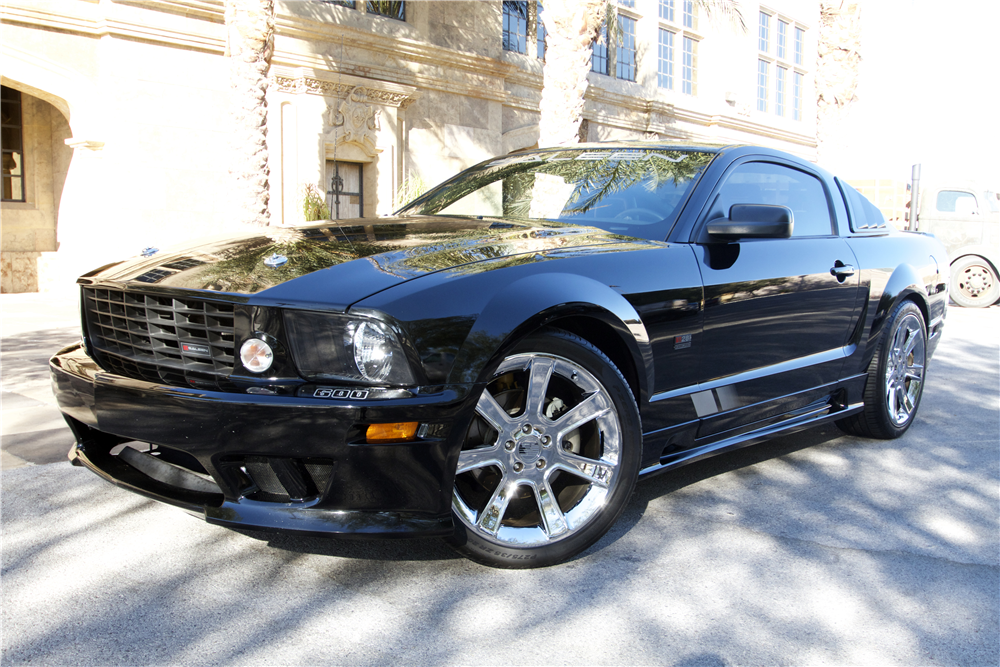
x=914 y=224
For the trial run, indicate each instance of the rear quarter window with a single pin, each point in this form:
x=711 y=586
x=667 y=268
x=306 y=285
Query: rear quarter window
x=863 y=214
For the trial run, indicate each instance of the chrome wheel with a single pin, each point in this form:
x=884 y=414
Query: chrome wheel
x=895 y=377
x=904 y=369
x=542 y=454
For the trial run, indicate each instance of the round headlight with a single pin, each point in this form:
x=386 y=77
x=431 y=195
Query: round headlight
x=373 y=352
x=256 y=355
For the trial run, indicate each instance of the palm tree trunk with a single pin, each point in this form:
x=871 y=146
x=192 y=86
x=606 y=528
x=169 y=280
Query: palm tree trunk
x=250 y=28
x=838 y=66
x=572 y=26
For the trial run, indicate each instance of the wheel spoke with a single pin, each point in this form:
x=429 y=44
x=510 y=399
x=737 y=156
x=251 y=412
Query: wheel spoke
x=592 y=407
x=488 y=408
x=481 y=457
x=538 y=385
x=915 y=372
x=906 y=403
x=491 y=516
x=553 y=519
x=911 y=343
x=596 y=472
x=891 y=398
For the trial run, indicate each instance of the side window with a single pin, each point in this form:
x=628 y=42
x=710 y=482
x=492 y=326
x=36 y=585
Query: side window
x=774 y=184
x=956 y=201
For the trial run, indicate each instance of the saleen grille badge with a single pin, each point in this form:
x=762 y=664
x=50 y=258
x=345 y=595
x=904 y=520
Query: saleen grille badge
x=195 y=349
x=275 y=260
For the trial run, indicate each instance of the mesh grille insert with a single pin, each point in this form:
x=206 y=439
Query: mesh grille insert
x=178 y=341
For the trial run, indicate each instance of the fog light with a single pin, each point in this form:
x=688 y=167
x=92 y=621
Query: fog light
x=256 y=355
x=392 y=432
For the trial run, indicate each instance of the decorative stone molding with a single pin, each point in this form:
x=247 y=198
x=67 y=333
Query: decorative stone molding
x=356 y=122
x=299 y=84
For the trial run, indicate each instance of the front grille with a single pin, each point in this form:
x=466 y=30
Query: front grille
x=177 y=341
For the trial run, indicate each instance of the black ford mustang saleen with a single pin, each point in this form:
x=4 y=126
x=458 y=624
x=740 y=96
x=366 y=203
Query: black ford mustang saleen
x=500 y=362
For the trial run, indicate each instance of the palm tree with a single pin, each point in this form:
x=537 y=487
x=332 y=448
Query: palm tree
x=572 y=27
x=838 y=65
x=250 y=43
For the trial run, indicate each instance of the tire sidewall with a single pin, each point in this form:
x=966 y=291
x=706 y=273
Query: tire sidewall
x=569 y=346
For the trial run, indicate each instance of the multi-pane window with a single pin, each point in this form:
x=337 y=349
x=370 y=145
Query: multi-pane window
x=797 y=95
x=515 y=26
x=665 y=60
x=599 y=52
x=625 y=65
x=667 y=10
x=627 y=3
x=763 y=74
x=764 y=33
x=782 y=58
x=779 y=90
x=690 y=19
x=394 y=9
x=540 y=33
x=12 y=143
x=689 y=68
x=677 y=47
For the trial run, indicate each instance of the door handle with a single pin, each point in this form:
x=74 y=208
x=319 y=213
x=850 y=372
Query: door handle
x=841 y=271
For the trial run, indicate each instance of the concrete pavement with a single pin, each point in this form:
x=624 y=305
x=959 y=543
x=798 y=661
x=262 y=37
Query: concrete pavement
x=816 y=548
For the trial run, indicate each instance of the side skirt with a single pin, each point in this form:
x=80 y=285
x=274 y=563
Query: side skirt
x=806 y=418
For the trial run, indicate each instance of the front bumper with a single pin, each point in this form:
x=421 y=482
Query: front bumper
x=283 y=463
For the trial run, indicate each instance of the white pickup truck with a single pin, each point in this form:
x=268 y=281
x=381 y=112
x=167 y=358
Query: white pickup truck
x=966 y=219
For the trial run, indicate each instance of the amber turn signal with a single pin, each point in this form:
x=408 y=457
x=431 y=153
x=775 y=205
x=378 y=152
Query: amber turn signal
x=392 y=432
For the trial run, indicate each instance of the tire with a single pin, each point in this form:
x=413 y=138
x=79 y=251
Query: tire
x=551 y=457
x=974 y=282
x=895 y=378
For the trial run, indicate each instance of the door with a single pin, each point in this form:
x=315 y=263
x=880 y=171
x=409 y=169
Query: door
x=345 y=190
x=778 y=311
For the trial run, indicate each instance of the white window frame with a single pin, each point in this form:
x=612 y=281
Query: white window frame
x=781 y=51
x=682 y=35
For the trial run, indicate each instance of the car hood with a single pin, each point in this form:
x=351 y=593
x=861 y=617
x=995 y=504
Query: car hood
x=338 y=264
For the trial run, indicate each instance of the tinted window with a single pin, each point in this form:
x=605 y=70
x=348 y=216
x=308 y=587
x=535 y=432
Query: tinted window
x=773 y=184
x=629 y=191
x=956 y=201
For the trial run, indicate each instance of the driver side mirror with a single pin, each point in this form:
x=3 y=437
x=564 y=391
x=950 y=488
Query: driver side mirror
x=753 y=221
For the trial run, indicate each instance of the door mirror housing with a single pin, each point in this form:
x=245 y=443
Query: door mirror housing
x=753 y=221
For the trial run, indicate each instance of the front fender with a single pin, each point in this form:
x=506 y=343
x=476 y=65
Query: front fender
x=534 y=301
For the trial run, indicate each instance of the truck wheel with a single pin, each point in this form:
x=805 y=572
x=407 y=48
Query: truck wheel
x=974 y=282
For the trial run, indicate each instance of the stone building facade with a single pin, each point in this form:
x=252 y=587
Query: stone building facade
x=117 y=112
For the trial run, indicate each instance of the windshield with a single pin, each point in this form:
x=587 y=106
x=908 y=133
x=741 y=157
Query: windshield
x=630 y=191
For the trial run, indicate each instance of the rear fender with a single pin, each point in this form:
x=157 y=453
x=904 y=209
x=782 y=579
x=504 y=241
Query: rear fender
x=905 y=283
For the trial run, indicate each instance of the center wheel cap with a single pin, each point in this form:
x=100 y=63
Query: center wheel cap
x=528 y=449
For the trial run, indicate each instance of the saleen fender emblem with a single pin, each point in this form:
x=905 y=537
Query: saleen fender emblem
x=275 y=260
